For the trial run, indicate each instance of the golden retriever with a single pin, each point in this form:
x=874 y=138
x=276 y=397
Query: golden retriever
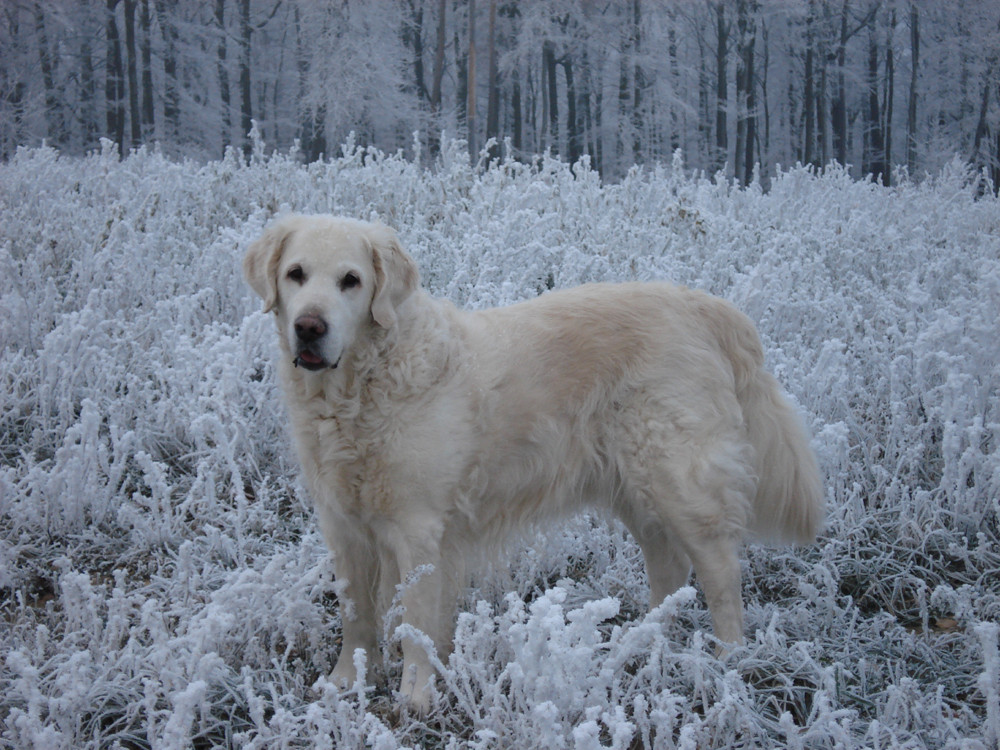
x=427 y=434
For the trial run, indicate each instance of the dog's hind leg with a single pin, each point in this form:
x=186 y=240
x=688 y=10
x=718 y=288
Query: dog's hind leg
x=699 y=490
x=667 y=567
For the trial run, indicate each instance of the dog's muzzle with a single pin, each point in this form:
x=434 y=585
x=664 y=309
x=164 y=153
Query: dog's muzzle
x=310 y=330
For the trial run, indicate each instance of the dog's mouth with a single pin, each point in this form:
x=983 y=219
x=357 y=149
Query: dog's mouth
x=309 y=360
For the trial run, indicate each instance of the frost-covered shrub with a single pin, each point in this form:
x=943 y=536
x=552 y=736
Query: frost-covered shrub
x=161 y=580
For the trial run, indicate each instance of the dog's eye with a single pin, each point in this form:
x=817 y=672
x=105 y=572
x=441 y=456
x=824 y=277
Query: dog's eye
x=295 y=273
x=350 y=281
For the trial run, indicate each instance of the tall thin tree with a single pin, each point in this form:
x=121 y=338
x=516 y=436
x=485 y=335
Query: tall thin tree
x=114 y=79
x=911 y=107
x=132 y=70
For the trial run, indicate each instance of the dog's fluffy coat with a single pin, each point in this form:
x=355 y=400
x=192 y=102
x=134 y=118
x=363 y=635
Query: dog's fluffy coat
x=427 y=433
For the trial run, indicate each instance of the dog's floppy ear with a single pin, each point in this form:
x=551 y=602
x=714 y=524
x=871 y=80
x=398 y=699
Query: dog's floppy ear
x=396 y=275
x=260 y=264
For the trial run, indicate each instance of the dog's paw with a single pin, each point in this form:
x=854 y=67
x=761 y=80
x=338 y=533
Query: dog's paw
x=351 y=669
x=417 y=693
x=418 y=702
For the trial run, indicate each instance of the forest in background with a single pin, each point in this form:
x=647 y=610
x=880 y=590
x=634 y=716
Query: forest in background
x=875 y=84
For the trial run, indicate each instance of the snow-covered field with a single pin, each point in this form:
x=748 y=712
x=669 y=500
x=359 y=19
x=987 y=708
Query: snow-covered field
x=161 y=580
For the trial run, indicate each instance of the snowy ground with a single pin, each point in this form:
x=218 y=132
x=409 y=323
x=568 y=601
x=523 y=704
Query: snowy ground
x=161 y=580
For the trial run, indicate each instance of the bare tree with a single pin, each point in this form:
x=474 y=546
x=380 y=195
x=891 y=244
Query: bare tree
x=135 y=125
x=722 y=27
x=470 y=105
x=114 y=80
x=493 y=85
x=146 y=56
x=46 y=59
x=911 y=109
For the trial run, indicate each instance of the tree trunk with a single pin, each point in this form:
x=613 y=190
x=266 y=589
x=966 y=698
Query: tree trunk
x=434 y=136
x=573 y=148
x=114 y=82
x=438 y=73
x=980 y=159
x=809 y=93
x=873 y=162
x=623 y=101
x=822 y=110
x=88 y=93
x=638 y=84
x=246 y=100
x=222 y=71
x=415 y=34
x=516 y=115
x=911 y=109
x=721 y=88
x=749 y=49
x=705 y=147
x=549 y=60
x=598 y=129
x=675 y=88
x=890 y=96
x=135 y=124
x=462 y=74
x=145 y=55
x=764 y=151
x=53 y=122
x=840 y=102
x=171 y=93
x=470 y=104
x=745 y=128
x=493 y=86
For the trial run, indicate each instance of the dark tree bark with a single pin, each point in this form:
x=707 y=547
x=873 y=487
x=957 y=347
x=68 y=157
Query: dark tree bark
x=493 y=85
x=516 y=114
x=437 y=75
x=890 y=98
x=873 y=159
x=638 y=83
x=552 y=93
x=54 y=128
x=165 y=10
x=809 y=93
x=721 y=87
x=414 y=37
x=246 y=98
x=470 y=104
x=911 y=108
x=222 y=71
x=462 y=72
x=839 y=109
x=146 y=57
x=135 y=125
x=746 y=101
x=88 y=93
x=573 y=141
x=114 y=81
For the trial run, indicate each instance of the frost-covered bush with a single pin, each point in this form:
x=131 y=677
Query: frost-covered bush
x=161 y=580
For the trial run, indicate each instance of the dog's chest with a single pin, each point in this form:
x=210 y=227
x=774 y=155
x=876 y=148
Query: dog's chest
x=383 y=465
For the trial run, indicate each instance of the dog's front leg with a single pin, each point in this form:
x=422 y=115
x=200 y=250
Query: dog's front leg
x=418 y=555
x=355 y=565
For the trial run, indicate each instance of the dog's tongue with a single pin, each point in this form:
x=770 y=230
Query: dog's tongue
x=309 y=358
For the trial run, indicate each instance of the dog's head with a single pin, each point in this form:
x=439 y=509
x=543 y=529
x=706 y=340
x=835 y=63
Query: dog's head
x=326 y=278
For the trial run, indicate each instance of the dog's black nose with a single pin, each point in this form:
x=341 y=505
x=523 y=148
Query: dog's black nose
x=309 y=328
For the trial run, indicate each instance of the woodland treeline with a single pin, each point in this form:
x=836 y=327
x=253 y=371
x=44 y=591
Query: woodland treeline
x=735 y=85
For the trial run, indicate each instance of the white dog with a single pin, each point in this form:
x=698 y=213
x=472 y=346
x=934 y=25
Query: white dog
x=427 y=433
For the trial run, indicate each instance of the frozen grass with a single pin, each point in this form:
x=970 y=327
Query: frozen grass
x=161 y=580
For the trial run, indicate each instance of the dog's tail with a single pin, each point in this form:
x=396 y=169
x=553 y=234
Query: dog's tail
x=788 y=506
